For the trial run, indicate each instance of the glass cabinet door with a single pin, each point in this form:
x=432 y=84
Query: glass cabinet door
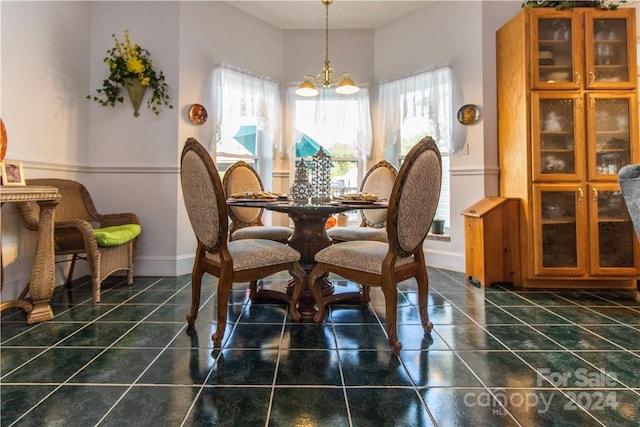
x=610 y=134
x=559 y=215
x=557 y=136
x=610 y=50
x=556 y=59
x=614 y=246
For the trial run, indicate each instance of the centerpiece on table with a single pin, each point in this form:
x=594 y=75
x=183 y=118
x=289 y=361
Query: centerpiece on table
x=130 y=67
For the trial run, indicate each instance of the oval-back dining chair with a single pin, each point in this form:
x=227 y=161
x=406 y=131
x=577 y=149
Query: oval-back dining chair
x=246 y=223
x=379 y=181
x=243 y=260
x=412 y=206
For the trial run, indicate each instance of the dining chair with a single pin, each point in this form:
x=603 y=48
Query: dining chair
x=106 y=241
x=244 y=260
x=246 y=223
x=412 y=206
x=379 y=181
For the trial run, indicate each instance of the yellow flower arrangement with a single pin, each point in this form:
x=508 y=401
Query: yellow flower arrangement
x=130 y=61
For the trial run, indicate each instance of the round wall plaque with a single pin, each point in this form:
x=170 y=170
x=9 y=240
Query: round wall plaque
x=469 y=114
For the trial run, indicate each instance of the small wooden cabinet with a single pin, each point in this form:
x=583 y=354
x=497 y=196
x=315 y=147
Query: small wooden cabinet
x=492 y=248
x=567 y=123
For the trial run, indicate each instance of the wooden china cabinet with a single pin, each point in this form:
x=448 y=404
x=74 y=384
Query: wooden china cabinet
x=567 y=122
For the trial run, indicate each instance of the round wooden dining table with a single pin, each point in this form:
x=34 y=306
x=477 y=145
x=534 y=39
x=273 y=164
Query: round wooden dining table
x=309 y=236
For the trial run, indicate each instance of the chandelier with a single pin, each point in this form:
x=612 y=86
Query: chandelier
x=326 y=77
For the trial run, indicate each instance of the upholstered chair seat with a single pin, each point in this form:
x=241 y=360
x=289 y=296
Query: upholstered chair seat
x=277 y=233
x=244 y=253
x=358 y=255
x=352 y=232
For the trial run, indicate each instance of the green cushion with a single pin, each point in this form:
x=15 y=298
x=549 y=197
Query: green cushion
x=116 y=235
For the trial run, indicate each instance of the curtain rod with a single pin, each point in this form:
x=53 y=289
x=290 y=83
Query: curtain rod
x=427 y=70
x=243 y=71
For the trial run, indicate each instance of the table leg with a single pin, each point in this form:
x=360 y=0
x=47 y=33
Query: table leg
x=42 y=281
x=309 y=237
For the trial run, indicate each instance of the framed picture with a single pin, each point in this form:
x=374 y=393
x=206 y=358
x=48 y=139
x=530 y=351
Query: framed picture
x=12 y=173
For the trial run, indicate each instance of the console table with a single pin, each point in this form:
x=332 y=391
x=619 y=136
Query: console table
x=42 y=281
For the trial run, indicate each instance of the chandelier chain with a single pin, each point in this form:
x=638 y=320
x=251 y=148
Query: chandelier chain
x=326 y=34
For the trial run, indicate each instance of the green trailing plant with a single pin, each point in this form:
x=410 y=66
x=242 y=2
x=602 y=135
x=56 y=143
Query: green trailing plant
x=570 y=4
x=130 y=61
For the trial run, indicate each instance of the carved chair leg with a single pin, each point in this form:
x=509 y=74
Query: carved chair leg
x=391 y=311
x=423 y=295
x=196 y=284
x=224 y=288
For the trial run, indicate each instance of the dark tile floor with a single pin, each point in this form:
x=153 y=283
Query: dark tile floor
x=496 y=357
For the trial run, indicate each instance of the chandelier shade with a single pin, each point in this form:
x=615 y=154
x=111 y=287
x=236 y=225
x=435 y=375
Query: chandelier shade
x=326 y=78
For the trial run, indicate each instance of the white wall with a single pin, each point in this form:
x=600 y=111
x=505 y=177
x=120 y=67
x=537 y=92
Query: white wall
x=45 y=77
x=133 y=160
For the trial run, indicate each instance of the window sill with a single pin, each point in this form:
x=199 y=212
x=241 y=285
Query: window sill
x=439 y=237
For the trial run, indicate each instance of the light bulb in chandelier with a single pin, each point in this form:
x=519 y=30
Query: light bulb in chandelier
x=307 y=88
x=342 y=82
x=347 y=87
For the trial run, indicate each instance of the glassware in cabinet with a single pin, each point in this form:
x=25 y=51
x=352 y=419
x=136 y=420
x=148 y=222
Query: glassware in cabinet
x=613 y=238
x=556 y=46
x=610 y=49
x=557 y=136
x=610 y=133
x=558 y=217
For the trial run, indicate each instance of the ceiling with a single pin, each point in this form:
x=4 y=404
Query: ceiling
x=343 y=14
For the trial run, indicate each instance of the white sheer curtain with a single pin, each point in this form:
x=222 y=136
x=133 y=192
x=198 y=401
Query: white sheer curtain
x=332 y=109
x=428 y=95
x=237 y=94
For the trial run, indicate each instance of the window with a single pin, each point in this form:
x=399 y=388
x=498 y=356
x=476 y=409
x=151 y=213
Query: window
x=341 y=125
x=246 y=121
x=412 y=108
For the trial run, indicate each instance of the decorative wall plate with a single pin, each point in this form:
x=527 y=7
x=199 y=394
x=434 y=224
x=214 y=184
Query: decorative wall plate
x=197 y=114
x=469 y=114
x=3 y=140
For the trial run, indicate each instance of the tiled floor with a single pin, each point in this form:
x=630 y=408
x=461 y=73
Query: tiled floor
x=496 y=357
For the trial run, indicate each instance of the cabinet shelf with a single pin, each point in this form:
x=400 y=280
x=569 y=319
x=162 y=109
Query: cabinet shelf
x=556 y=67
x=558 y=221
x=609 y=41
x=557 y=150
x=612 y=132
x=612 y=220
x=556 y=133
x=611 y=150
x=610 y=67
